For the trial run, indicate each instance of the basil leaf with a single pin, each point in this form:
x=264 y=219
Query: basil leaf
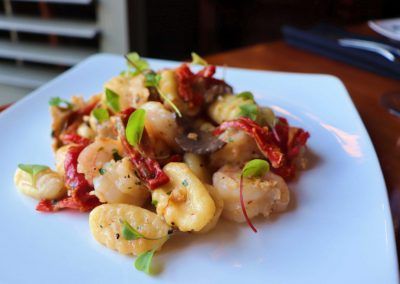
x=246 y=95
x=143 y=261
x=152 y=79
x=196 y=59
x=136 y=62
x=249 y=110
x=57 y=101
x=129 y=233
x=100 y=114
x=255 y=168
x=33 y=170
x=134 y=128
x=112 y=100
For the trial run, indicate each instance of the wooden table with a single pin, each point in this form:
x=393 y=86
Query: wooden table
x=364 y=87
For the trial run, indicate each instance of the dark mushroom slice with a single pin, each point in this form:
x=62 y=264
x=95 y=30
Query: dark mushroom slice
x=199 y=142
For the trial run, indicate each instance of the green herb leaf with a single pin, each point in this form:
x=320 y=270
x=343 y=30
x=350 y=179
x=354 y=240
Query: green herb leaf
x=112 y=100
x=32 y=169
x=185 y=183
x=129 y=233
x=249 y=110
x=154 y=83
x=58 y=102
x=246 y=95
x=100 y=114
x=196 y=59
x=255 y=168
x=134 y=128
x=152 y=79
x=136 y=62
x=102 y=171
x=154 y=202
x=143 y=261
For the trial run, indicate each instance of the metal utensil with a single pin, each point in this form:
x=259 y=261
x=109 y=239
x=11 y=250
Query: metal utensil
x=387 y=51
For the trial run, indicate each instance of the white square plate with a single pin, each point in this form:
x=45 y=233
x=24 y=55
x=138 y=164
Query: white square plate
x=338 y=230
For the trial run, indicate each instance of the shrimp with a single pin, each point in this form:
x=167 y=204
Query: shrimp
x=261 y=195
x=160 y=124
x=119 y=184
x=239 y=148
x=132 y=90
x=94 y=156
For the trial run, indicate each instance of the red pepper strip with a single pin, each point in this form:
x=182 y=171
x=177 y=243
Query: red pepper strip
x=262 y=137
x=80 y=197
x=125 y=114
x=299 y=139
x=185 y=90
x=207 y=72
x=73 y=138
x=290 y=144
x=243 y=205
x=148 y=170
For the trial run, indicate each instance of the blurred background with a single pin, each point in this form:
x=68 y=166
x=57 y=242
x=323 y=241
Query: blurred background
x=40 y=39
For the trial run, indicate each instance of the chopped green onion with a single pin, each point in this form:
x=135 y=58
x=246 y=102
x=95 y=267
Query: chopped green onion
x=112 y=100
x=135 y=127
x=196 y=59
x=246 y=95
x=185 y=183
x=102 y=171
x=255 y=168
x=249 y=110
x=100 y=114
x=57 y=101
x=143 y=261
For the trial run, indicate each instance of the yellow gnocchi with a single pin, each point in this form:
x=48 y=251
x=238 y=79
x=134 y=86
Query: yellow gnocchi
x=106 y=222
x=45 y=185
x=227 y=107
x=184 y=202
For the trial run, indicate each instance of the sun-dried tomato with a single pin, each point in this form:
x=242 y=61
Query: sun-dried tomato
x=78 y=187
x=262 y=136
x=192 y=87
x=74 y=138
x=280 y=145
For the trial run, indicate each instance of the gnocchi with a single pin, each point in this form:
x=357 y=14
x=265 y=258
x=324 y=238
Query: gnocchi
x=157 y=152
x=45 y=185
x=105 y=222
x=184 y=202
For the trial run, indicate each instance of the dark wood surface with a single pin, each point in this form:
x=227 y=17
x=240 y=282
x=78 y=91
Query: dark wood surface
x=364 y=87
